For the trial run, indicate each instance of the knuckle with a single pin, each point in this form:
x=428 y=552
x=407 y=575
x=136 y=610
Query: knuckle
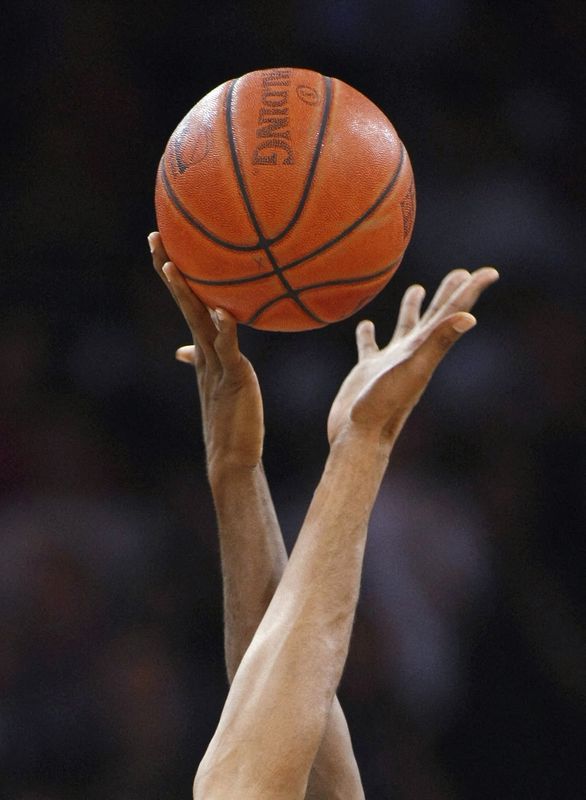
x=419 y=369
x=457 y=275
x=419 y=366
x=444 y=341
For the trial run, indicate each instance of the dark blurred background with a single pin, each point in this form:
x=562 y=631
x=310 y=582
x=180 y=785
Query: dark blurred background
x=467 y=674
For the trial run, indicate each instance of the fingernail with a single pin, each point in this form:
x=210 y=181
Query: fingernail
x=221 y=318
x=463 y=324
x=167 y=270
x=215 y=319
x=149 y=240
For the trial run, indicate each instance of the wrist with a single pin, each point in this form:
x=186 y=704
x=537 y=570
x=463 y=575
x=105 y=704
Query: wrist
x=226 y=469
x=355 y=440
x=366 y=436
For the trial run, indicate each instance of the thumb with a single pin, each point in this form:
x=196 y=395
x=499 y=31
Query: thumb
x=441 y=339
x=186 y=354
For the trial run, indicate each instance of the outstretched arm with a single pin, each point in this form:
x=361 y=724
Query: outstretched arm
x=279 y=702
x=251 y=545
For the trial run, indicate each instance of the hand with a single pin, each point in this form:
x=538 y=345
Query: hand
x=229 y=392
x=381 y=390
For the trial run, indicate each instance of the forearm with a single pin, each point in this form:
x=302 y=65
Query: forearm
x=296 y=658
x=253 y=561
x=321 y=583
x=252 y=551
x=334 y=774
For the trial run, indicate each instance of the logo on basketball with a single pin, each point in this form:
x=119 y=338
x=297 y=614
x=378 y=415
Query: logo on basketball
x=408 y=210
x=189 y=149
x=273 y=135
x=308 y=95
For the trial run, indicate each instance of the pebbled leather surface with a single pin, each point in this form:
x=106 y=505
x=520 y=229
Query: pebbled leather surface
x=273 y=148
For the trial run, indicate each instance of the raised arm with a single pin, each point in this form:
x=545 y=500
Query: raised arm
x=251 y=545
x=279 y=702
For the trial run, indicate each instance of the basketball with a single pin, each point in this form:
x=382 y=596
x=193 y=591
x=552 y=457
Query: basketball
x=287 y=198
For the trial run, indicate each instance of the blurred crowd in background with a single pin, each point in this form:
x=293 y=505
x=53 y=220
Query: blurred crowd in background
x=467 y=672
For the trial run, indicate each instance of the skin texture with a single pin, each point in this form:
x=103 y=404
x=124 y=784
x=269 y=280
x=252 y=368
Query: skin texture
x=251 y=544
x=282 y=733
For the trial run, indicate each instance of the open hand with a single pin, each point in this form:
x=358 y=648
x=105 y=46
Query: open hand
x=229 y=393
x=380 y=391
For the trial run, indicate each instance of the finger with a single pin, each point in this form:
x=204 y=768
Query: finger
x=195 y=312
x=189 y=304
x=190 y=354
x=226 y=343
x=445 y=290
x=409 y=311
x=439 y=341
x=186 y=354
x=158 y=252
x=465 y=296
x=365 y=341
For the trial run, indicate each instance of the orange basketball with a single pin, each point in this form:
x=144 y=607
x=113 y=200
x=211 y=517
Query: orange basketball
x=286 y=198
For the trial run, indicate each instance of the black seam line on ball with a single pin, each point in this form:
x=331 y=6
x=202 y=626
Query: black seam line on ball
x=385 y=192
x=228 y=281
x=195 y=222
x=313 y=165
x=262 y=240
x=318 y=251
x=334 y=282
